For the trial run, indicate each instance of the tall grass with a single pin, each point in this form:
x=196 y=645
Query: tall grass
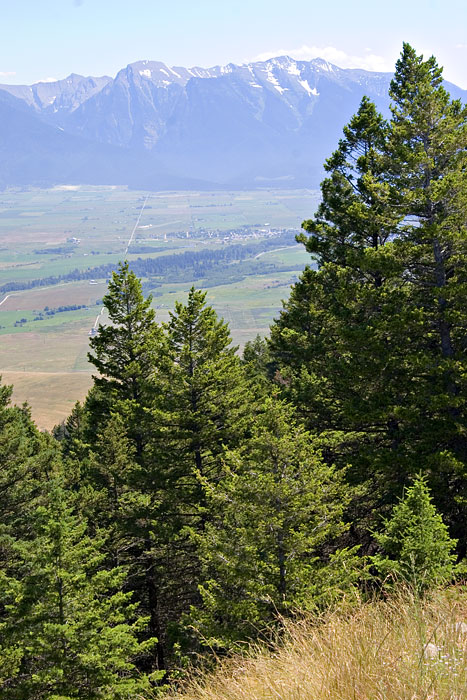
x=398 y=649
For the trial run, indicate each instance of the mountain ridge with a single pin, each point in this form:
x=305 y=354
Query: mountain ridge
x=243 y=125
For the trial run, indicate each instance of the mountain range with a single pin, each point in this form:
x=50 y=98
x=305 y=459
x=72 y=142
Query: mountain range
x=262 y=124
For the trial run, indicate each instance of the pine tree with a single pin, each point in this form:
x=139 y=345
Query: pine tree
x=26 y=460
x=203 y=409
x=206 y=405
x=371 y=346
x=121 y=461
x=417 y=549
x=120 y=498
x=354 y=218
x=270 y=548
x=124 y=354
x=326 y=334
x=339 y=343
x=426 y=170
x=110 y=496
x=69 y=628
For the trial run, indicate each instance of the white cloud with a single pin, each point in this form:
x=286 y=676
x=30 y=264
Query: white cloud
x=370 y=61
x=47 y=80
x=461 y=46
x=7 y=73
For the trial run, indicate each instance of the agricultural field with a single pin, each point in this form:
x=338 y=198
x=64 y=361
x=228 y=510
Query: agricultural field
x=58 y=246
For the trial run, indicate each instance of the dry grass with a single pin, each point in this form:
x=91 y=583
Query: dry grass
x=51 y=395
x=396 y=650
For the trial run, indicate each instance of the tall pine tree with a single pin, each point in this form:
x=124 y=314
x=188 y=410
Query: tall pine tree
x=426 y=170
x=339 y=341
x=124 y=353
x=371 y=346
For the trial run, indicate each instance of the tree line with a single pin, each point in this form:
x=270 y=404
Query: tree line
x=197 y=497
x=190 y=264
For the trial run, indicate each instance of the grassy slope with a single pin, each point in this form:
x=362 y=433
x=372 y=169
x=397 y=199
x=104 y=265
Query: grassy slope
x=396 y=650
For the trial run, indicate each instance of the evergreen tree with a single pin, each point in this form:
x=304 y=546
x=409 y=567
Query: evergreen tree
x=426 y=169
x=203 y=409
x=26 y=460
x=118 y=500
x=371 y=347
x=340 y=342
x=68 y=627
x=270 y=548
x=417 y=549
x=124 y=354
x=110 y=496
x=328 y=331
x=206 y=403
x=354 y=217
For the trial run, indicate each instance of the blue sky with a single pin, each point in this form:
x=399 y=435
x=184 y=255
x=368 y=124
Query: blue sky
x=45 y=39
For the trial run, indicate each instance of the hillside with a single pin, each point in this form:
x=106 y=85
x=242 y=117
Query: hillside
x=198 y=498
x=398 y=650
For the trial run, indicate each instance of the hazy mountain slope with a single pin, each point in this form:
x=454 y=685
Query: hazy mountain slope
x=251 y=125
x=35 y=153
x=62 y=96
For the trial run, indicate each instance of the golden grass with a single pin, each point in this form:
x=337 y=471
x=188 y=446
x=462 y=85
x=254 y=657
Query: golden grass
x=395 y=650
x=51 y=395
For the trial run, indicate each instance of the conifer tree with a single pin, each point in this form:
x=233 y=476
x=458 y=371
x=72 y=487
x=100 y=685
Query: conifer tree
x=206 y=405
x=26 y=460
x=120 y=498
x=353 y=217
x=268 y=550
x=426 y=170
x=417 y=549
x=203 y=409
x=110 y=496
x=69 y=628
x=325 y=335
x=371 y=347
x=339 y=343
x=124 y=354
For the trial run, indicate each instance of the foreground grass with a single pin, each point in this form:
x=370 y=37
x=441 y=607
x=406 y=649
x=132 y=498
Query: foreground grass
x=394 y=650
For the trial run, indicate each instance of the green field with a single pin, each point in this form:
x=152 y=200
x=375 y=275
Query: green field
x=44 y=342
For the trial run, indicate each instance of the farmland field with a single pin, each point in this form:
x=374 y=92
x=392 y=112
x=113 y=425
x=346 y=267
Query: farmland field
x=58 y=246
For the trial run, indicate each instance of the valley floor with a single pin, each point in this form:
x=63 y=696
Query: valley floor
x=44 y=330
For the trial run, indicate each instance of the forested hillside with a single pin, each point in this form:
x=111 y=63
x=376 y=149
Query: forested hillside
x=198 y=499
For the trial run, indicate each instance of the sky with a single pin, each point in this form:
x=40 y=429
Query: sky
x=49 y=39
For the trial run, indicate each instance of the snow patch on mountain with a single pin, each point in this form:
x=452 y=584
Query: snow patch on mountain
x=293 y=69
x=311 y=91
x=175 y=72
x=271 y=78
